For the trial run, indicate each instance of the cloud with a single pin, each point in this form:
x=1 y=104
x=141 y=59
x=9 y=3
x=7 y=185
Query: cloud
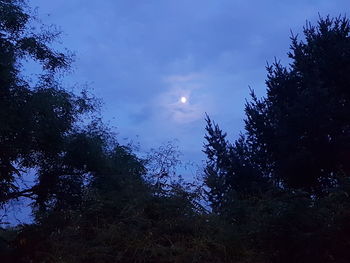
x=190 y=86
x=175 y=79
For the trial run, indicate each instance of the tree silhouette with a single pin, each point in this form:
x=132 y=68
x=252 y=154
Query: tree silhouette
x=37 y=116
x=302 y=126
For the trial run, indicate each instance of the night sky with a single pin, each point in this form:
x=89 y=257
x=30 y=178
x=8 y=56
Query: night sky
x=141 y=57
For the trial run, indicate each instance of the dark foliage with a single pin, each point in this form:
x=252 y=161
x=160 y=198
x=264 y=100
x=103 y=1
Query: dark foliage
x=36 y=118
x=295 y=152
x=302 y=127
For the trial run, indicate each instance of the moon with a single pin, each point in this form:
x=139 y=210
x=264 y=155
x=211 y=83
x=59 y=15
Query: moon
x=183 y=99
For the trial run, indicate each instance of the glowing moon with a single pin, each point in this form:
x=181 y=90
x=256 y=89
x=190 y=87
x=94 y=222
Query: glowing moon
x=183 y=99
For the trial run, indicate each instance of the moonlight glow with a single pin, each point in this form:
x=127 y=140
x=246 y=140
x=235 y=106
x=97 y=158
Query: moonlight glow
x=183 y=99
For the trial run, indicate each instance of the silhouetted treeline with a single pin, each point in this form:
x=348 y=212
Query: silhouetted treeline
x=279 y=193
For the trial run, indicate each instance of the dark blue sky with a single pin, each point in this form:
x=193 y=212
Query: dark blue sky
x=141 y=56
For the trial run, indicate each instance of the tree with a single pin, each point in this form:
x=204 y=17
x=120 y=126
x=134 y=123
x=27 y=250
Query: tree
x=296 y=139
x=299 y=135
x=302 y=127
x=230 y=173
x=37 y=116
